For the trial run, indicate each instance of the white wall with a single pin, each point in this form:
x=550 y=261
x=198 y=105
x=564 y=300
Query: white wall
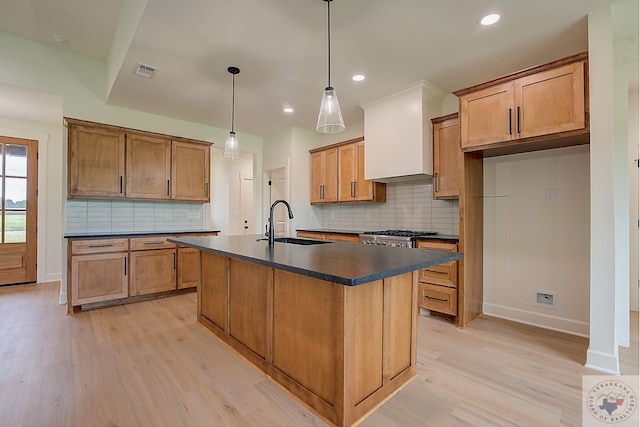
x=533 y=241
x=609 y=276
x=79 y=83
x=634 y=203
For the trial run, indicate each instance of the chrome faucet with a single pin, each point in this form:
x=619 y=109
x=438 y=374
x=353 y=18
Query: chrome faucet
x=271 y=233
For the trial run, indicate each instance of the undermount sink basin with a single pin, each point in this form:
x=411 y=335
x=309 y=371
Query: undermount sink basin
x=296 y=241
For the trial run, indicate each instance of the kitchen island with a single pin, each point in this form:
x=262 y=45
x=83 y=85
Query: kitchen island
x=334 y=323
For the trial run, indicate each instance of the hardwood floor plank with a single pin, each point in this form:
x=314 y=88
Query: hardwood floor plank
x=151 y=364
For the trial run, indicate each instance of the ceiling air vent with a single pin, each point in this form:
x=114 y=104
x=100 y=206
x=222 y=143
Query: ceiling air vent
x=145 y=71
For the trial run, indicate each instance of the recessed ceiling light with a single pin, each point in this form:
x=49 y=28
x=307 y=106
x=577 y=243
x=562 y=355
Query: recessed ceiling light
x=287 y=110
x=60 y=39
x=358 y=77
x=490 y=19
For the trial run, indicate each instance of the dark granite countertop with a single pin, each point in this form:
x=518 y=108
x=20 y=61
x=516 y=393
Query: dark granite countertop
x=336 y=231
x=101 y=234
x=338 y=262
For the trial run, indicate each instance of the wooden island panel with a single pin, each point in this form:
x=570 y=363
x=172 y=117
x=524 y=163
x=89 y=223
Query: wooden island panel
x=250 y=290
x=342 y=350
x=213 y=291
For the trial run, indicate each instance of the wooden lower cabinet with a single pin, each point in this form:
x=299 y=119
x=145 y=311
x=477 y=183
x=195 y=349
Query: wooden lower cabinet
x=99 y=277
x=439 y=283
x=188 y=268
x=153 y=271
x=342 y=350
x=118 y=270
x=336 y=237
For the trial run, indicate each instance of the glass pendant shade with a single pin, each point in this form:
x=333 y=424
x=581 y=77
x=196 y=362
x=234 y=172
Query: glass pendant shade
x=231 y=147
x=330 y=116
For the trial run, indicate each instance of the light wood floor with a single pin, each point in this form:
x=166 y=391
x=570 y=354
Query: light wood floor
x=151 y=364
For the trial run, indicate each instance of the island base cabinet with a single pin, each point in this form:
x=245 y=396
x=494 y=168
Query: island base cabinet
x=98 y=277
x=342 y=350
x=153 y=271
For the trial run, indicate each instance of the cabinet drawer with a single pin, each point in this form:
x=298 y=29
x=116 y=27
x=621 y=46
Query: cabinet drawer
x=343 y=237
x=443 y=274
x=439 y=298
x=99 y=246
x=151 y=242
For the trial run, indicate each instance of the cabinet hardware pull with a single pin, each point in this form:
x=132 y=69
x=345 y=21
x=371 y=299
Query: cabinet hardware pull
x=518 y=119
x=206 y=189
x=436 y=271
x=174 y=261
x=510 y=120
x=168 y=187
x=153 y=243
x=125 y=265
x=355 y=189
x=436 y=299
x=120 y=184
x=435 y=179
x=322 y=192
x=108 y=245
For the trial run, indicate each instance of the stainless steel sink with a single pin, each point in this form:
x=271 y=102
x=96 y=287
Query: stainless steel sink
x=297 y=241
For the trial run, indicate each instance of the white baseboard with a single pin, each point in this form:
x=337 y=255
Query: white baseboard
x=546 y=321
x=604 y=362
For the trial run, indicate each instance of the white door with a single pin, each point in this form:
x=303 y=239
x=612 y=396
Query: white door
x=277 y=187
x=246 y=204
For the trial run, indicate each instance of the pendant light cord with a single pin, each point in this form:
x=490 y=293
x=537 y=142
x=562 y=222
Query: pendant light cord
x=328 y=43
x=233 y=100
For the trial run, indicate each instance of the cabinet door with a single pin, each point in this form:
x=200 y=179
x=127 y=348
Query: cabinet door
x=96 y=162
x=190 y=172
x=98 y=277
x=148 y=167
x=550 y=101
x=324 y=176
x=362 y=189
x=317 y=176
x=487 y=116
x=153 y=271
x=346 y=172
x=188 y=268
x=447 y=158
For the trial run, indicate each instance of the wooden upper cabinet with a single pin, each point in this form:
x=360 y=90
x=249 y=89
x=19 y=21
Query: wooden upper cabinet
x=550 y=101
x=190 y=172
x=447 y=157
x=352 y=187
x=148 y=167
x=324 y=176
x=487 y=116
x=96 y=162
x=109 y=162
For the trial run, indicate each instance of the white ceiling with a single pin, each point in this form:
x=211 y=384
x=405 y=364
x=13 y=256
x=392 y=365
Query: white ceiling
x=280 y=48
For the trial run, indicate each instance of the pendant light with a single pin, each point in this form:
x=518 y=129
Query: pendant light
x=330 y=116
x=231 y=145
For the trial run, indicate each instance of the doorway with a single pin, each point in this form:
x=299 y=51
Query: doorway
x=246 y=203
x=277 y=182
x=18 y=210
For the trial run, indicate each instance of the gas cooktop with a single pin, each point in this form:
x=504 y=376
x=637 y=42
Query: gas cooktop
x=401 y=233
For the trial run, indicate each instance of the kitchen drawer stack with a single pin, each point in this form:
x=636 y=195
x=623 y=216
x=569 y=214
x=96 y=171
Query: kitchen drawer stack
x=439 y=283
x=116 y=270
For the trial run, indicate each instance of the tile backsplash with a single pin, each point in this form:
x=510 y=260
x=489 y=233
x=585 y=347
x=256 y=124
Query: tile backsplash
x=409 y=206
x=122 y=216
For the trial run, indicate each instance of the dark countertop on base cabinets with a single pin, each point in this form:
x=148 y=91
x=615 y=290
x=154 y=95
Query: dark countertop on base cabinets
x=337 y=262
x=356 y=232
x=116 y=234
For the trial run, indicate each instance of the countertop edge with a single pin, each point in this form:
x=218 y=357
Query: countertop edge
x=358 y=232
x=454 y=256
x=103 y=235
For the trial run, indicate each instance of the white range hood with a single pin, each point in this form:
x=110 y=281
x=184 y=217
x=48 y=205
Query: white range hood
x=397 y=133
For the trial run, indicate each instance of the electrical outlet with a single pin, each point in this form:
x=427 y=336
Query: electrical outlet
x=168 y=215
x=193 y=215
x=368 y=215
x=546 y=299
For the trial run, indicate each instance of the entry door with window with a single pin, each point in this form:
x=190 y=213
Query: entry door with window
x=18 y=186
